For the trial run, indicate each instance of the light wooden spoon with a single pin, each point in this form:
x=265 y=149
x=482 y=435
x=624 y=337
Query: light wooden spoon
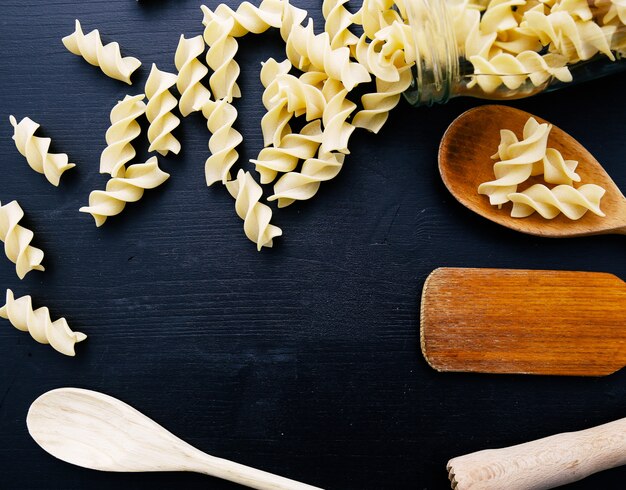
x=96 y=431
x=465 y=162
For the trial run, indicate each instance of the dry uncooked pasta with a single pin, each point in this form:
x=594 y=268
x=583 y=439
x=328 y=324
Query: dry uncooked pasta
x=224 y=139
x=293 y=148
x=121 y=190
x=39 y=324
x=193 y=95
x=124 y=129
x=573 y=203
x=159 y=112
x=17 y=240
x=256 y=215
x=107 y=57
x=519 y=161
x=36 y=150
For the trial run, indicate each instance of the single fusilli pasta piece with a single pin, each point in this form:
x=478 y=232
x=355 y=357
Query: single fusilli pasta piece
x=250 y=18
x=298 y=186
x=338 y=20
x=377 y=105
x=17 y=240
x=337 y=130
x=512 y=71
x=121 y=190
x=221 y=55
x=107 y=57
x=573 y=203
x=123 y=130
x=557 y=170
x=293 y=148
x=256 y=215
x=224 y=139
x=36 y=150
x=161 y=102
x=520 y=160
x=193 y=95
x=39 y=324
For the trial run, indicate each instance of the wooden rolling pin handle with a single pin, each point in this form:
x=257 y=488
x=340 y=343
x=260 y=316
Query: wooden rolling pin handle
x=544 y=463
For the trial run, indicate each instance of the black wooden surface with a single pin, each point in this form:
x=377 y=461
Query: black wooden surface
x=302 y=360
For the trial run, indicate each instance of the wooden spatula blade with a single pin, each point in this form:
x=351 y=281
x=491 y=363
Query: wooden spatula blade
x=524 y=321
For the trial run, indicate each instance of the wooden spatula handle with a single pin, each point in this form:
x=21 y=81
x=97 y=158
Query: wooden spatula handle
x=544 y=463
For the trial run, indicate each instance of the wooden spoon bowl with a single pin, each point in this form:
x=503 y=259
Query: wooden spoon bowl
x=465 y=162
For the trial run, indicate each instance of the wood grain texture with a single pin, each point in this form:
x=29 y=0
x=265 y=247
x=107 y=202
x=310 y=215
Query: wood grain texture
x=523 y=321
x=99 y=432
x=303 y=360
x=542 y=464
x=465 y=162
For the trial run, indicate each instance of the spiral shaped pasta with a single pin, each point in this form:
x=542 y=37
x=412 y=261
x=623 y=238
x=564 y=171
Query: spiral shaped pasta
x=337 y=130
x=305 y=49
x=573 y=203
x=221 y=55
x=338 y=20
x=500 y=16
x=193 y=95
x=575 y=39
x=256 y=215
x=557 y=170
x=161 y=102
x=303 y=94
x=275 y=122
x=107 y=57
x=293 y=148
x=36 y=150
x=121 y=190
x=220 y=117
x=298 y=186
x=489 y=73
x=377 y=105
x=249 y=18
x=124 y=129
x=520 y=160
x=39 y=324
x=17 y=240
x=375 y=15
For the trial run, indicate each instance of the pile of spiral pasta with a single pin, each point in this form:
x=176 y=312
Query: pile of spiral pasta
x=508 y=42
x=518 y=160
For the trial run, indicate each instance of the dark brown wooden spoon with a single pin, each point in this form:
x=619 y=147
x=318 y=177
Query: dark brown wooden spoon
x=465 y=162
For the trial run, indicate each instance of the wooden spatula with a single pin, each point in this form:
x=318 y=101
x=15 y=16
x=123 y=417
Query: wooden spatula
x=524 y=321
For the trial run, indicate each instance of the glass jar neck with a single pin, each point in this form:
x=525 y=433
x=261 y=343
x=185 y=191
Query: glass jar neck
x=437 y=67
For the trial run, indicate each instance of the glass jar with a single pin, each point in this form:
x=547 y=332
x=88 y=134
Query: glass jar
x=565 y=48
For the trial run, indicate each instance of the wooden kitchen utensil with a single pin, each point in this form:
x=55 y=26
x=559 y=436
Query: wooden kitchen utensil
x=524 y=321
x=545 y=463
x=465 y=162
x=96 y=431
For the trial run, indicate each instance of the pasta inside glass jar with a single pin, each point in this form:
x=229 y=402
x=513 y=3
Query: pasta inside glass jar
x=510 y=49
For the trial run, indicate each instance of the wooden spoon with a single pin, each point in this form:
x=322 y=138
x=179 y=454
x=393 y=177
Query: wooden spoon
x=465 y=162
x=524 y=321
x=96 y=431
x=545 y=463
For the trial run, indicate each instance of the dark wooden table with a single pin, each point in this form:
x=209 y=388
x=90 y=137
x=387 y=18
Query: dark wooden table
x=301 y=360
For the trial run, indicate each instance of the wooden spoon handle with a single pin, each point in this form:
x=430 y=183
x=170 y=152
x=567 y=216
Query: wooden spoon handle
x=544 y=463
x=244 y=475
